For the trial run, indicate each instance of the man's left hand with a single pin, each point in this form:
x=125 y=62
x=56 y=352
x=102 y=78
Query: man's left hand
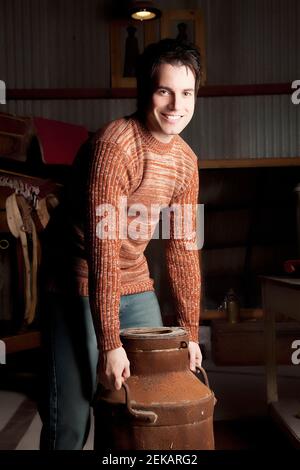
x=194 y=355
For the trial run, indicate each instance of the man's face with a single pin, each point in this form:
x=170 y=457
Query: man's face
x=172 y=103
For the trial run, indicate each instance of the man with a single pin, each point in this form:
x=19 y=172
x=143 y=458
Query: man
x=140 y=160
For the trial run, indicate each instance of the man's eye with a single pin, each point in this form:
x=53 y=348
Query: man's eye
x=188 y=93
x=163 y=92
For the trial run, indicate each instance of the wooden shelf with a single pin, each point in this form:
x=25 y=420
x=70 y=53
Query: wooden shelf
x=249 y=163
x=245 y=313
x=127 y=93
x=22 y=341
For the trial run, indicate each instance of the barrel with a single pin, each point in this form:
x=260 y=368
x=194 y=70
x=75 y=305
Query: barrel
x=162 y=405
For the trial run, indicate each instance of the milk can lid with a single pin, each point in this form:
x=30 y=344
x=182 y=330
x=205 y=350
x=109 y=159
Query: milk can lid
x=161 y=332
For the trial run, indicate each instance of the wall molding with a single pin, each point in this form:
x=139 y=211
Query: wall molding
x=248 y=163
x=128 y=93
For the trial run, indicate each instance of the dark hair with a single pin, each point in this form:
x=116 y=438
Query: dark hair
x=166 y=51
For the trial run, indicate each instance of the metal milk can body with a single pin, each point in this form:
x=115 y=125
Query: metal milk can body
x=163 y=405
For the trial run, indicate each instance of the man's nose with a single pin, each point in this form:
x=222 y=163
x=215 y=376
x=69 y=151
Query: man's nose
x=175 y=102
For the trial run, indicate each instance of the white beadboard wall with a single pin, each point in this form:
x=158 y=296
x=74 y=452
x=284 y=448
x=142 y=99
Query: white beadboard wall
x=228 y=127
x=54 y=44
x=252 y=41
x=65 y=44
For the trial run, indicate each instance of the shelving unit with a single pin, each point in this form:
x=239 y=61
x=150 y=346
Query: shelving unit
x=22 y=341
x=280 y=295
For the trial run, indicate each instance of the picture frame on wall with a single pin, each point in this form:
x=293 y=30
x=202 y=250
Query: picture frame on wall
x=128 y=38
x=186 y=25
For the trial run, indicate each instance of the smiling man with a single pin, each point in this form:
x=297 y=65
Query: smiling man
x=173 y=101
x=143 y=159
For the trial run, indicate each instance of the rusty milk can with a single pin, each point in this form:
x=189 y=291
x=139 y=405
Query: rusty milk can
x=163 y=405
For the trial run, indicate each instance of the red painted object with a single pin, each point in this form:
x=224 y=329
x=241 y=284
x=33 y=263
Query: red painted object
x=291 y=265
x=59 y=141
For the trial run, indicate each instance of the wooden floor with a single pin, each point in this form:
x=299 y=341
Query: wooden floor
x=22 y=430
x=241 y=418
x=258 y=433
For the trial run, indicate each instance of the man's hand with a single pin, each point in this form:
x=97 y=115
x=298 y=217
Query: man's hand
x=194 y=355
x=113 y=368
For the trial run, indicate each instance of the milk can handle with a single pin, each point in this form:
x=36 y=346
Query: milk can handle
x=204 y=375
x=148 y=416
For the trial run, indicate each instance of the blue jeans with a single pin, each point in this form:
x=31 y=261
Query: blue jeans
x=72 y=356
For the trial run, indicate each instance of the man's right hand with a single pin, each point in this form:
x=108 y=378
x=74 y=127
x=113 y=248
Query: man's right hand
x=113 y=368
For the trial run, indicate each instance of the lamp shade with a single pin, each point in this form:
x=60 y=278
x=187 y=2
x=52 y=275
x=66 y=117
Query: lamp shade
x=143 y=11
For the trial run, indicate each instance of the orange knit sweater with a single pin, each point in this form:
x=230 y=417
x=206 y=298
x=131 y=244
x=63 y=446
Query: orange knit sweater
x=128 y=162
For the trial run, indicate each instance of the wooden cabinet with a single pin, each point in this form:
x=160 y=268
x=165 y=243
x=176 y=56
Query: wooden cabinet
x=281 y=295
x=22 y=341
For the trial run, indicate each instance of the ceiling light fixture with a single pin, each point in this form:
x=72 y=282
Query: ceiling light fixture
x=143 y=10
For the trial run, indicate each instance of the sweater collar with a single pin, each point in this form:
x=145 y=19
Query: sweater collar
x=150 y=141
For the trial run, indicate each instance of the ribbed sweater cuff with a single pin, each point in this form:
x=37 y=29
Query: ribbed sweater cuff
x=109 y=341
x=193 y=332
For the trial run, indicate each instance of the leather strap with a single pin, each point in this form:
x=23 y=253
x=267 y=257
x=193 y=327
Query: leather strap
x=17 y=228
x=41 y=215
x=21 y=225
x=24 y=222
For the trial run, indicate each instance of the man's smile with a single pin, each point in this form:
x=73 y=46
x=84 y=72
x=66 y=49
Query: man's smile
x=172 y=117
